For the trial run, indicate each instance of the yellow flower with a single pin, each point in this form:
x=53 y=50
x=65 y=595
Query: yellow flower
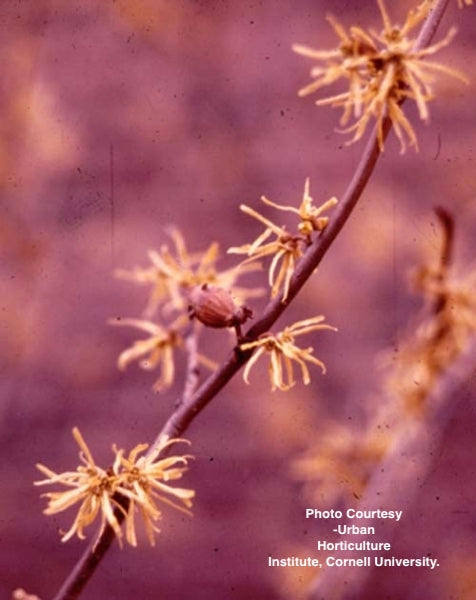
x=174 y=273
x=92 y=486
x=158 y=349
x=142 y=481
x=286 y=249
x=282 y=352
x=348 y=61
x=184 y=270
x=310 y=216
x=145 y=480
x=383 y=70
x=156 y=279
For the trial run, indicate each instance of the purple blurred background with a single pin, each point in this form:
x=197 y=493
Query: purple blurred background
x=120 y=118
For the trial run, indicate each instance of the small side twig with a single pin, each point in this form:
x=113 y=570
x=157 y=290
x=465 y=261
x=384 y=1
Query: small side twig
x=193 y=370
x=448 y=225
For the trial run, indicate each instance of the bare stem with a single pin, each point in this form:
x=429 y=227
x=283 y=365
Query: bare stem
x=447 y=225
x=431 y=24
x=92 y=556
x=193 y=370
x=191 y=382
x=190 y=407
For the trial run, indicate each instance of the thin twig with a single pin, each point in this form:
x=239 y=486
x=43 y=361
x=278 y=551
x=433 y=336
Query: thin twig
x=188 y=409
x=448 y=225
x=192 y=379
x=193 y=369
x=87 y=564
x=431 y=24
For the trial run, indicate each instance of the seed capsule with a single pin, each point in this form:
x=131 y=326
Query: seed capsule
x=214 y=307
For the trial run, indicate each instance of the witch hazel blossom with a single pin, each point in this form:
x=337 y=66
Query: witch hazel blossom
x=156 y=351
x=284 y=248
x=381 y=71
x=283 y=352
x=174 y=272
x=142 y=480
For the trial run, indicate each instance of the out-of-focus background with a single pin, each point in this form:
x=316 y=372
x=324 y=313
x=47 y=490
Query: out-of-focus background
x=122 y=118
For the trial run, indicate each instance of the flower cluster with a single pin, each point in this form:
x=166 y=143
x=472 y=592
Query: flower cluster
x=176 y=278
x=173 y=274
x=132 y=484
x=283 y=351
x=381 y=70
x=285 y=248
x=158 y=350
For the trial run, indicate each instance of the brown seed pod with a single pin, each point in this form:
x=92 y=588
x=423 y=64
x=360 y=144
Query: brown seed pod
x=214 y=307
